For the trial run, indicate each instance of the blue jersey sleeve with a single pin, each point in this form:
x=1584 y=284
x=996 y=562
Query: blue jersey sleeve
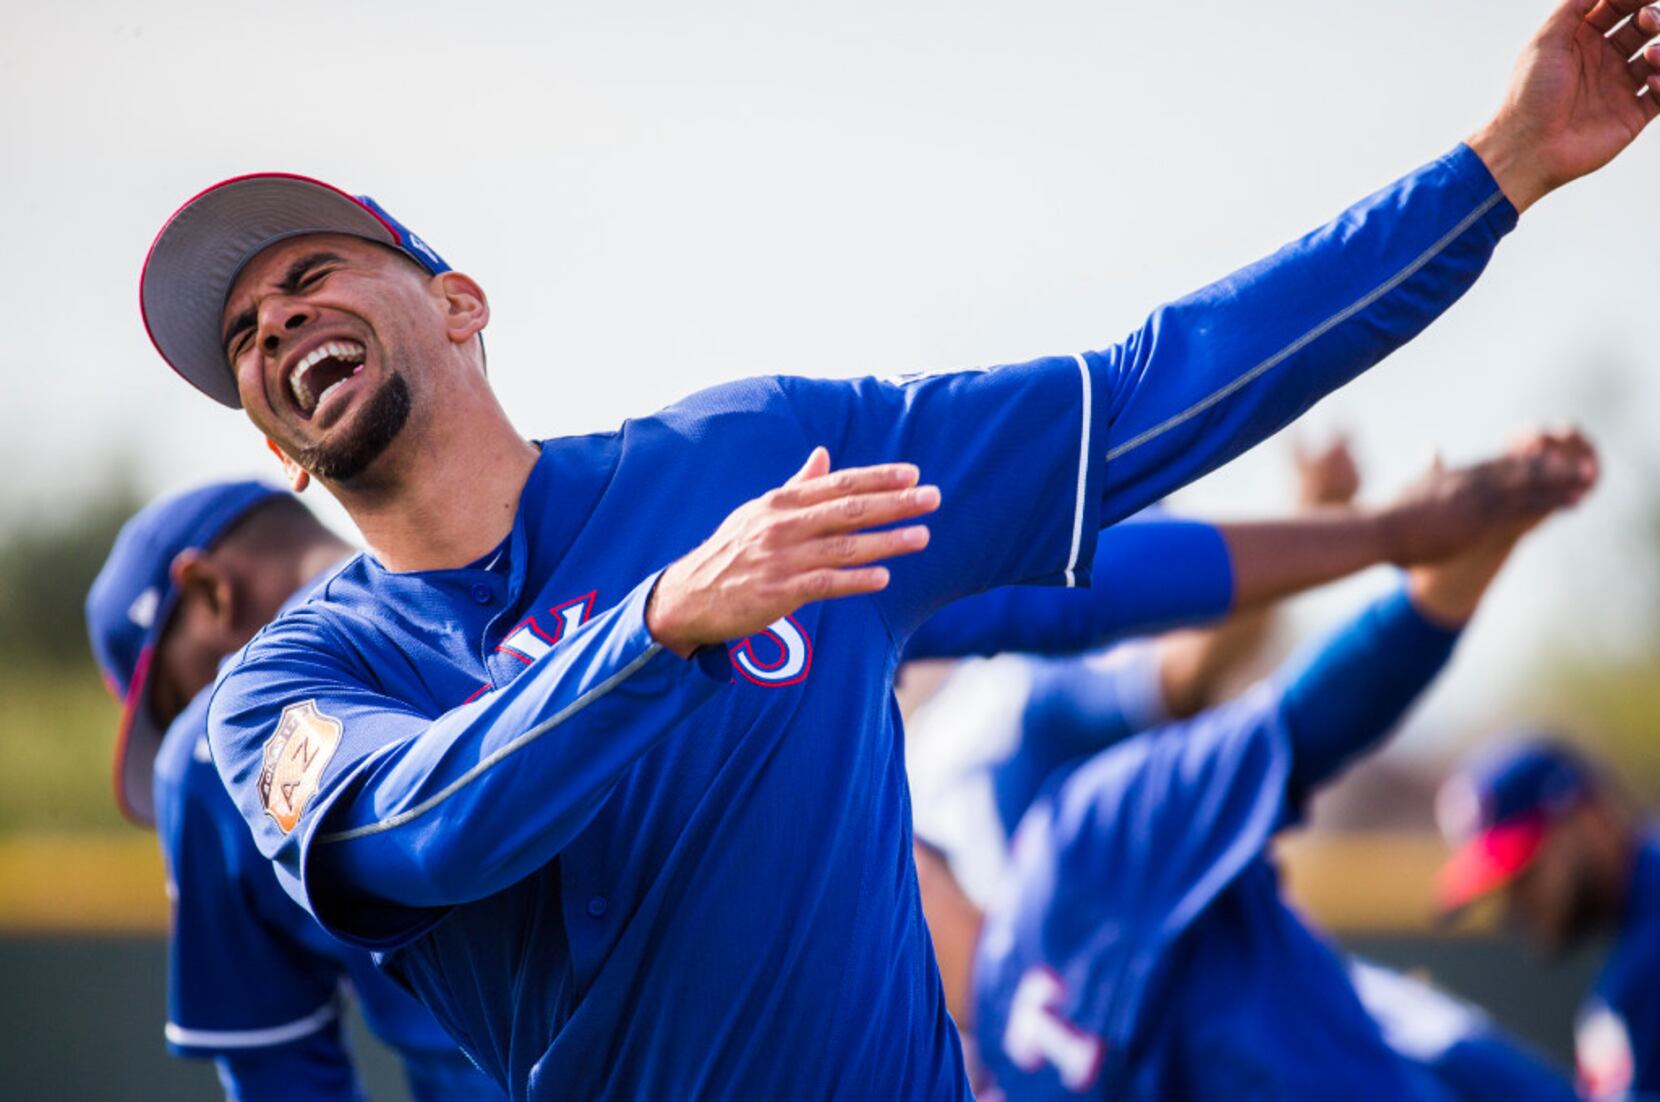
x=1353 y=688
x=1033 y=459
x=316 y=1067
x=1154 y=575
x=1460 y=1051
x=379 y=817
x=237 y=981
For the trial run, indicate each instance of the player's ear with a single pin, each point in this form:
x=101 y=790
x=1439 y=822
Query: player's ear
x=298 y=477
x=466 y=310
x=203 y=583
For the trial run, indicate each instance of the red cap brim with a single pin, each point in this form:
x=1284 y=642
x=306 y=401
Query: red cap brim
x=137 y=741
x=1489 y=861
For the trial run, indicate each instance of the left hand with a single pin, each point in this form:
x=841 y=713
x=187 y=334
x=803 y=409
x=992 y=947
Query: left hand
x=1577 y=97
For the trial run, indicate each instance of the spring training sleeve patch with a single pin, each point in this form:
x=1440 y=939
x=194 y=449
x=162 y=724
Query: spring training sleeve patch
x=295 y=756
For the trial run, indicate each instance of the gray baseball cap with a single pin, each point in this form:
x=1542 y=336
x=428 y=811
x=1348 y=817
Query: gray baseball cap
x=207 y=242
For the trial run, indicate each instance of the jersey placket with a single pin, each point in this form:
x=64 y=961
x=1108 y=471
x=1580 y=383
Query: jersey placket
x=501 y=587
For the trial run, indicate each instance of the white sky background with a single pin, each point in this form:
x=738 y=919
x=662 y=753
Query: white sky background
x=659 y=196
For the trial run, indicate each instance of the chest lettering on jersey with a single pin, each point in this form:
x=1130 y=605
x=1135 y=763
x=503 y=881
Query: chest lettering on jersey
x=529 y=640
x=1037 y=1034
x=295 y=756
x=780 y=655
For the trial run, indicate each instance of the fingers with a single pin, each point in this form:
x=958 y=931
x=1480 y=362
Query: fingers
x=1550 y=469
x=858 y=511
x=1644 y=69
x=860 y=549
x=824 y=585
x=1634 y=33
x=1606 y=15
x=814 y=483
x=817 y=466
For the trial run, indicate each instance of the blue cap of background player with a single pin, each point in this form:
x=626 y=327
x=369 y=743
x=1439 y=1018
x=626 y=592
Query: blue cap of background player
x=205 y=245
x=129 y=605
x=1497 y=809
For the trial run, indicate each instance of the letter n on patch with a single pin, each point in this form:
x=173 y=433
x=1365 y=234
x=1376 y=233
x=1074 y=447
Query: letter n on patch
x=295 y=757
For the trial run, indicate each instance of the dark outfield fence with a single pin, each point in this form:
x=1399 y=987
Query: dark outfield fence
x=81 y=1017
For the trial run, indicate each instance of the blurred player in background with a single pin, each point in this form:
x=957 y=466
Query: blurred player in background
x=1534 y=822
x=481 y=750
x=253 y=982
x=997 y=732
x=1138 y=946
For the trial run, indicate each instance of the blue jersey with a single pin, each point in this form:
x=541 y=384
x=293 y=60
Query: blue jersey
x=1140 y=947
x=984 y=745
x=253 y=981
x=998 y=733
x=1453 y=1048
x=1617 y=1035
x=614 y=873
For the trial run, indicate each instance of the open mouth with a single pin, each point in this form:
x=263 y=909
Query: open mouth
x=322 y=371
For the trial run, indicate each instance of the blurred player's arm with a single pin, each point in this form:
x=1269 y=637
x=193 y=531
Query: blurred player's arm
x=1210 y=791
x=1195 y=665
x=1156 y=573
x=1354 y=688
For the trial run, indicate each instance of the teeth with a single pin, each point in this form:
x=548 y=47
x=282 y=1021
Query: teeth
x=329 y=390
x=346 y=351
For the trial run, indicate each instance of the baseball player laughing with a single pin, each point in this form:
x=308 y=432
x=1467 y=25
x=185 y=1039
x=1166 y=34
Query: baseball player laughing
x=622 y=800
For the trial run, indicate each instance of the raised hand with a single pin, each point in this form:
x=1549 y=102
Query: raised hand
x=803 y=542
x=1447 y=511
x=1582 y=91
x=1326 y=476
x=1450 y=590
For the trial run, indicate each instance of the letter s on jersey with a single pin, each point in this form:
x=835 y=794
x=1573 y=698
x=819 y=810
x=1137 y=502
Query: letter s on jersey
x=780 y=655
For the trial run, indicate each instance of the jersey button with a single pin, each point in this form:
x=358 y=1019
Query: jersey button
x=596 y=906
x=482 y=594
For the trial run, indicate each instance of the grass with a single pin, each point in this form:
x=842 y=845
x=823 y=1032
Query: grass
x=57 y=734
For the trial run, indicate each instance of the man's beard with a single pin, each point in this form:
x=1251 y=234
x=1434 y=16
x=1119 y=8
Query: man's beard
x=379 y=424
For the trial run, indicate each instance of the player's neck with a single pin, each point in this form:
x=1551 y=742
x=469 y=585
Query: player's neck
x=459 y=477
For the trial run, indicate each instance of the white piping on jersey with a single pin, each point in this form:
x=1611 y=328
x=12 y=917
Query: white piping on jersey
x=1083 y=482
x=1313 y=334
x=251 y=1038
x=518 y=743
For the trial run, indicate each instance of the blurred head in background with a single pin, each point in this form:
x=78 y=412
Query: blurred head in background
x=189 y=581
x=1539 y=826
